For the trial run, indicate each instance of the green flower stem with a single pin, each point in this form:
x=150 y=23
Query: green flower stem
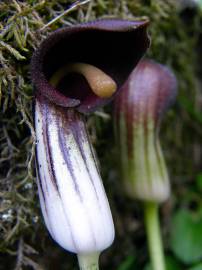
x=154 y=236
x=88 y=261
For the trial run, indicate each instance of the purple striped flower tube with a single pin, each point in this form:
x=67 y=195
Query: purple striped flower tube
x=143 y=101
x=76 y=70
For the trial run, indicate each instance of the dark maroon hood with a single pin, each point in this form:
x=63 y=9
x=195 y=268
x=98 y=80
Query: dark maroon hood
x=114 y=46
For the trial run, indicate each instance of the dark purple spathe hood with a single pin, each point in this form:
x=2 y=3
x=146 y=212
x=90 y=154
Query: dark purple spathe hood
x=114 y=46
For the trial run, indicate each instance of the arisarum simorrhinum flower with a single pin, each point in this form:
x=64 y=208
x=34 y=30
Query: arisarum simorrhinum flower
x=76 y=70
x=139 y=108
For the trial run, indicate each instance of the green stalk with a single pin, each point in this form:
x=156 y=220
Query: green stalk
x=154 y=236
x=88 y=261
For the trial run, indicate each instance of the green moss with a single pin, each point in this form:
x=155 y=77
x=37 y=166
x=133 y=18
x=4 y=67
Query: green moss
x=23 y=25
